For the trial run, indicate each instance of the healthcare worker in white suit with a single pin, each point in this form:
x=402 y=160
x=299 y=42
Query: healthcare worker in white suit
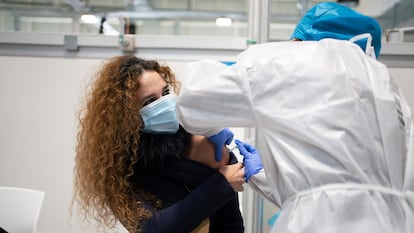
x=334 y=132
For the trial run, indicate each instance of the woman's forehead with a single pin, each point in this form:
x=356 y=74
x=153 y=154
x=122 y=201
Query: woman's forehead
x=150 y=83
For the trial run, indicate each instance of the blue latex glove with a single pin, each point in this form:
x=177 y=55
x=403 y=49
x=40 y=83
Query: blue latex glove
x=252 y=162
x=224 y=137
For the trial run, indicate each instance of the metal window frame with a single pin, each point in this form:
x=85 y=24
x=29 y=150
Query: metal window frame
x=103 y=46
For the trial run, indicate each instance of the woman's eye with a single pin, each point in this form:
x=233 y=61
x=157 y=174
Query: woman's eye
x=166 y=92
x=148 y=102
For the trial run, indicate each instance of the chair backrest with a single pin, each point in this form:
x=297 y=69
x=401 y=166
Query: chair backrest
x=19 y=209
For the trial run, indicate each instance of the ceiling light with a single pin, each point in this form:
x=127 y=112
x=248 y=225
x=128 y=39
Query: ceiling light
x=45 y=19
x=89 y=19
x=223 y=22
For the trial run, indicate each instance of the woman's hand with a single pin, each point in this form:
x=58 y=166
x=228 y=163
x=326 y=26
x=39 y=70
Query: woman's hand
x=235 y=175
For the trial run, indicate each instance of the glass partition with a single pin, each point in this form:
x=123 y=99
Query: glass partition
x=155 y=17
x=390 y=14
x=227 y=18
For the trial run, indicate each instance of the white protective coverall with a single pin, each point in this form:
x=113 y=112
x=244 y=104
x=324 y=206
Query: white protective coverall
x=334 y=132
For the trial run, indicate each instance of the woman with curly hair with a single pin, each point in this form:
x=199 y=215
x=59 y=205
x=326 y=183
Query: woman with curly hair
x=135 y=164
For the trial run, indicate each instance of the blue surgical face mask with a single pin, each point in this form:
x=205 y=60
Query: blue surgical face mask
x=159 y=116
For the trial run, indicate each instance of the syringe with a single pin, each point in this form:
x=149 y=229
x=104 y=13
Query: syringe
x=233 y=147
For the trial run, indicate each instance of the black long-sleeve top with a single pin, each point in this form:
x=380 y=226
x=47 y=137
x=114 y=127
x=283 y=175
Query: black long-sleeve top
x=192 y=192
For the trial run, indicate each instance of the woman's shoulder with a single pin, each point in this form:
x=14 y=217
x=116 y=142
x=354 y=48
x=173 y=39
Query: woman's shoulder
x=203 y=151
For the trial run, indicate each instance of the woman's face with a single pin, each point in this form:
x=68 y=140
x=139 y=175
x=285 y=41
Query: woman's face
x=151 y=87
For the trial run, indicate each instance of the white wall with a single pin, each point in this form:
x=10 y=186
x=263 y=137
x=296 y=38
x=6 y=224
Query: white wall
x=39 y=98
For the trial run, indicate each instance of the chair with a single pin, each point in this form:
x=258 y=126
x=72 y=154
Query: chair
x=19 y=209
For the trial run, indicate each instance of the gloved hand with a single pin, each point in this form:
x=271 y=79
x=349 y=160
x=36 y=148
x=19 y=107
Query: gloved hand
x=224 y=137
x=252 y=162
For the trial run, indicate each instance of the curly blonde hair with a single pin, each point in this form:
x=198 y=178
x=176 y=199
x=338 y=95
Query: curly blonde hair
x=107 y=143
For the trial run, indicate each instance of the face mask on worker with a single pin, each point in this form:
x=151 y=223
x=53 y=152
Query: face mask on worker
x=367 y=38
x=159 y=116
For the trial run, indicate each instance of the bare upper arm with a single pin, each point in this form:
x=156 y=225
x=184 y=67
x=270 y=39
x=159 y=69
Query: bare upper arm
x=203 y=151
